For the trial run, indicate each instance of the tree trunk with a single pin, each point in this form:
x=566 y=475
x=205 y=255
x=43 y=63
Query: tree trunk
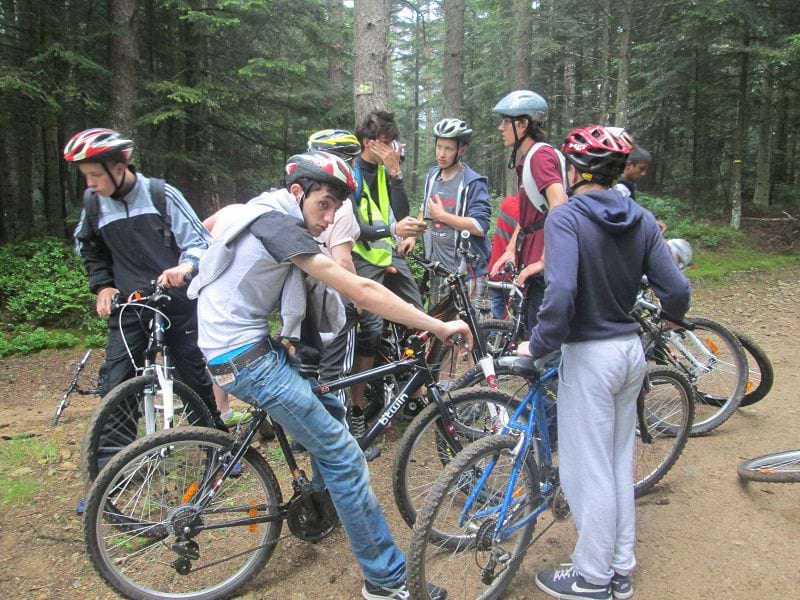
x=335 y=64
x=453 y=58
x=371 y=51
x=621 y=109
x=124 y=60
x=419 y=44
x=779 y=162
x=569 y=90
x=53 y=195
x=741 y=133
x=521 y=16
x=604 y=58
x=761 y=195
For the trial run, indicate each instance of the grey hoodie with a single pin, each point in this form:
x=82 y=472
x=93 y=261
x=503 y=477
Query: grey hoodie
x=599 y=245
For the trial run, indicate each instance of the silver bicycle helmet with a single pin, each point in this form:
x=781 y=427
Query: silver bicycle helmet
x=681 y=252
x=453 y=129
x=522 y=103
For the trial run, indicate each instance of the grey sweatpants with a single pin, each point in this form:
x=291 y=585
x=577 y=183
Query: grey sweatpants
x=597 y=389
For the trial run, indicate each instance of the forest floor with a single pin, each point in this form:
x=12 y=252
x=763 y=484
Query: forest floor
x=701 y=534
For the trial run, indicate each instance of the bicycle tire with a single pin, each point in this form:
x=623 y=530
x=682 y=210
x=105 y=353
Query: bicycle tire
x=495 y=333
x=720 y=382
x=669 y=417
x=110 y=428
x=780 y=467
x=158 y=451
x=470 y=542
x=761 y=375
x=422 y=454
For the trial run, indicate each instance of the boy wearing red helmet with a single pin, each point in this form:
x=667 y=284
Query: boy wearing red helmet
x=243 y=277
x=126 y=242
x=599 y=244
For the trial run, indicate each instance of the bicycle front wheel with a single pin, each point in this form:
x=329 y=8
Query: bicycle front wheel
x=423 y=452
x=483 y=554
x=119 y=419
x=761 y=375
x=665 y=413
x=140 y=508
x=783 y=467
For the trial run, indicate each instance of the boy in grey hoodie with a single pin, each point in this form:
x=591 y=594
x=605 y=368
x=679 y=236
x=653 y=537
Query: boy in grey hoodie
x=599 y=244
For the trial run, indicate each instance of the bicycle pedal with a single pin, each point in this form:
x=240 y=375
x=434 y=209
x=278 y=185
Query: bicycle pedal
x=81 y=508
x=372 y=453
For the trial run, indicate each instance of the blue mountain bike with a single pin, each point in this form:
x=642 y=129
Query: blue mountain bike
x=478 y=520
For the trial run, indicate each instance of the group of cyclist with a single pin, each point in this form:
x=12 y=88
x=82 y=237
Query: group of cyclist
x=343 y=220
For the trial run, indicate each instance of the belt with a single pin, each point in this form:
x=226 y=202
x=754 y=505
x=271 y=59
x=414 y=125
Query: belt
x=240 y=361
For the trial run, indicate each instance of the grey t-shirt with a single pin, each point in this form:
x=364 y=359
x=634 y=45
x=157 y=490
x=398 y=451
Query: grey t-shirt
x=442 y=237
x=233 y=310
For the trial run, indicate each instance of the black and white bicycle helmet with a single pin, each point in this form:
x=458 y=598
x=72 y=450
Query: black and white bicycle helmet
x=681 y=252
x=453 y=129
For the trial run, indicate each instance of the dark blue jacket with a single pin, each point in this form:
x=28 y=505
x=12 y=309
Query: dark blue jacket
x=599 y=245
x=473 y=202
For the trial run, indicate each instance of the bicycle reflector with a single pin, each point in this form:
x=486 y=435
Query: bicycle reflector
x=712 y=346
x=252 y=513
x=189 y=493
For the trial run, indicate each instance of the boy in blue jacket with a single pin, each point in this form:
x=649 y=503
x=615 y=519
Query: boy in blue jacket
x=599 y=244
x=456 y=199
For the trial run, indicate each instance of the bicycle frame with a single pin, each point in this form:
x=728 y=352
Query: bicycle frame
x=156 y=344
x=532 y=433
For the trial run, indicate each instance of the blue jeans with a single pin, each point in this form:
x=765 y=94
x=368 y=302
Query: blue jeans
x=273 y=384
x=499 y=302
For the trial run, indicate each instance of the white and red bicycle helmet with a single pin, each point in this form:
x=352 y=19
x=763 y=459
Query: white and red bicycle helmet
x=98 y=145
x=320 y=166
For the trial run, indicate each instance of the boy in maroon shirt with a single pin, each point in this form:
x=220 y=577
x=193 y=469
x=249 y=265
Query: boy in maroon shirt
x=541 y=187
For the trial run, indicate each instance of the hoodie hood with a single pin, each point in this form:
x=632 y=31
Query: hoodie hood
x=470 y=176
x=615 y=212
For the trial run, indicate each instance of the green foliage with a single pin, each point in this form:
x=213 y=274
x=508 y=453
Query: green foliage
x=44 y=283
x=44 y=298
x=681 y=223
x=721 y=266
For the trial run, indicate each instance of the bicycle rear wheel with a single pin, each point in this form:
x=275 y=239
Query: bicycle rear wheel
x=666 y=410
x=145 y=497
x=761 y=375
x=714 y=362
x=119 y=419
x=480 y=559
x=782 y=467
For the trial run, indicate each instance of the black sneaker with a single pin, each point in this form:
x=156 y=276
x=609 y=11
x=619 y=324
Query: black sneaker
x=566 y=583
x=370 y=591
x=621 y=586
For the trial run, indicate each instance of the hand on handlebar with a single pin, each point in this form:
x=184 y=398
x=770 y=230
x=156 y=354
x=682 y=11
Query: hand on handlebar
x=529 y=271
x=449 y=333
x=105 y=299
x=498 y=268
x=176 y=276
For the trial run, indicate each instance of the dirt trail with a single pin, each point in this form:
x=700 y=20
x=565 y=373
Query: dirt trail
x=700 y=533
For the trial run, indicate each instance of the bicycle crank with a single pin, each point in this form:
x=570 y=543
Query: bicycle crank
x=313 y=518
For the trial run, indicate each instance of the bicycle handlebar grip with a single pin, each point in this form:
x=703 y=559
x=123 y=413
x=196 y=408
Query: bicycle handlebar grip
x=508 y=267
x=458 y=339
x=464 y=241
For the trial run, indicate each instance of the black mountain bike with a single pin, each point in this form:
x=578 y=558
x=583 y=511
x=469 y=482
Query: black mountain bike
x=196 y=512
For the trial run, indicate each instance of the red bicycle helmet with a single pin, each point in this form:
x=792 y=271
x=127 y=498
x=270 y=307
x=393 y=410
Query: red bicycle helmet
x=594 y=150
x=320 y=166
x=98 y=145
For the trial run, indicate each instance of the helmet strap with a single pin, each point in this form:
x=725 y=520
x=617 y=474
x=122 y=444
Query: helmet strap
x=117 y=186
x=512 y=162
